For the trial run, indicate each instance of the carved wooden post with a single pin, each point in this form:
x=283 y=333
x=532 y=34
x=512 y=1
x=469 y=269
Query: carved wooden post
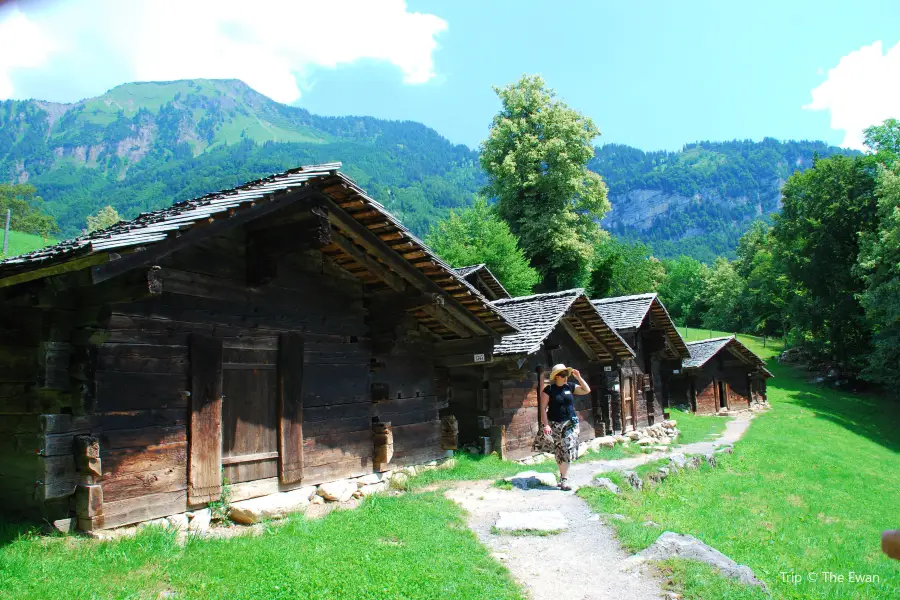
x=88 y=492
x=383 y=437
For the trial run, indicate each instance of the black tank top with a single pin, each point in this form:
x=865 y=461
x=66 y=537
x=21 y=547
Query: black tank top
x=562 y=402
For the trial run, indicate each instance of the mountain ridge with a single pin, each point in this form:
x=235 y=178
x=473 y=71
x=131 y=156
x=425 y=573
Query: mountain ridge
x=144 y=145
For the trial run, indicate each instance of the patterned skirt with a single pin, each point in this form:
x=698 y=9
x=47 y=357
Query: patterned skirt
x=565 y=441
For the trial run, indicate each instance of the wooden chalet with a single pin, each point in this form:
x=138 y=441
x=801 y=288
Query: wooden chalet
x=481 y=278
x=646 y=326
x=721 y=375
x=260 y=334
x=495 y=397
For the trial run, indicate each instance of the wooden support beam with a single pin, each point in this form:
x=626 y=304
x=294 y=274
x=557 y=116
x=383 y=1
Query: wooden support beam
x=57 y=269
x=360 y=234
x=447 y=321
x=594 y=338
x=585 y=347
x=380 y=271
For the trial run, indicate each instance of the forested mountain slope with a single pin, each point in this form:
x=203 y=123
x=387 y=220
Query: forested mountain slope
x=700 y=200
x=142 y=146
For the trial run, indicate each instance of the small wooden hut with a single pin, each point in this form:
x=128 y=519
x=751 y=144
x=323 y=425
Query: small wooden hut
x=721 y=375
x=645 y=324
x=258 y=334
x=495 y=398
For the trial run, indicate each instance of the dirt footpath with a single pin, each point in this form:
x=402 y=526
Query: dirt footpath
x=585 y=562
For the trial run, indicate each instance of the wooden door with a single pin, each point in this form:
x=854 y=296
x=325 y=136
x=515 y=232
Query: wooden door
x=249 y=414
x=723 y=394
x=628 y=418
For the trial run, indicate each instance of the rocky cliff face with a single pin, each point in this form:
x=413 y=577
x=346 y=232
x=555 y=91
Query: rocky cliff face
x=643 y=209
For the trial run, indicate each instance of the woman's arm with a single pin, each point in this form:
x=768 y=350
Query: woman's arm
x=582 y=388
x=543 y=401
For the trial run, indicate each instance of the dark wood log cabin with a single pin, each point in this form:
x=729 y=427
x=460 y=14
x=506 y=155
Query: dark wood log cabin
x=722 y=374
x=496 y=398
x=481 y=278
x=259 y=334
x=646 y=326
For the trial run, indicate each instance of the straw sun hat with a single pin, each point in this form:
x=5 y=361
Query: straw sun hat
x=557 y=369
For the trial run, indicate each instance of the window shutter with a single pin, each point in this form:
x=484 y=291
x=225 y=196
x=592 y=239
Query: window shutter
x=205 y=466
x=290 y=407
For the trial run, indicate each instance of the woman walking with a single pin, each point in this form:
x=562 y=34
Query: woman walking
x=558 y=417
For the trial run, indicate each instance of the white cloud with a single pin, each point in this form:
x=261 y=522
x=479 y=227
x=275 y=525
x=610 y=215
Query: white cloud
x=862 y=90
x=22 y=45
x=270 y=44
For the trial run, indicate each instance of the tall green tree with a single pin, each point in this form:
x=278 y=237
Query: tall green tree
x=683 y=290
x=825 y=211
x=723 y=296
x=536 y=157
x=27 y=210
x=879 y=260
x=764 y=305
x=879 y=263
x=622 y=269
x=105 y=217
x=477 y=235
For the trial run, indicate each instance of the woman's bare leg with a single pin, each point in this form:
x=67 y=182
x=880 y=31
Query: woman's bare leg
x=563 y=469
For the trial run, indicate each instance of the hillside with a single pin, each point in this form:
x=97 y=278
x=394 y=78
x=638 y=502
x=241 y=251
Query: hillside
x=700 y=200
x=20 y=243
x=142 y=146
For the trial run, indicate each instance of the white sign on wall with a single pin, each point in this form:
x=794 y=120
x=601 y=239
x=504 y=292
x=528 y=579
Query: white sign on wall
x=479 y=358
x=607 y=368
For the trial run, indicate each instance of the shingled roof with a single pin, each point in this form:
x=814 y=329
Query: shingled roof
x=629 y=312
x=480 y=274
x=538 y=315
x=130 y=243
x=703 y=350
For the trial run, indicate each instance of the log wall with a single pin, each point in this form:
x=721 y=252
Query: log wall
x=120 y=356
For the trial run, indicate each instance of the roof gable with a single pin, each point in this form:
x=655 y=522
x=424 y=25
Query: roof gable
x=372 y=240
x=704 y=350
x=484 y=280
x=629 y=312
x=538 y=315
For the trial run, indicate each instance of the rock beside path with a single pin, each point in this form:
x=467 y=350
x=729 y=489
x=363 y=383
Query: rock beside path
x=547 y=521
x=607 y=484
x=274 y=506
x=675 y=545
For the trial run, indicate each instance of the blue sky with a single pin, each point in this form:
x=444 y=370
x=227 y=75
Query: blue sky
x=652 y=74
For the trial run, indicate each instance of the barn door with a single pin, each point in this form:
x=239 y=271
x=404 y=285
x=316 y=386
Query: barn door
x=627 y=403
x=290 y=407
x=204 y=477
x=723 y=394
x=249 y=414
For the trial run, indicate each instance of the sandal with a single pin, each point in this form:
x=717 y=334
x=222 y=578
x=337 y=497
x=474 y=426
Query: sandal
x=564 y=484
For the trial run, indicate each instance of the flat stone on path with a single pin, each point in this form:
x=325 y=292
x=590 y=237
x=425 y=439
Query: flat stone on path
x=535 y=520
x=532 y=479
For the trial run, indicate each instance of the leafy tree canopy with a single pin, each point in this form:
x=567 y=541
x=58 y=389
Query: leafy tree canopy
x=477 y=235
x=105 y=217
x=535 y=158
x=622 y=269
x=27 y=210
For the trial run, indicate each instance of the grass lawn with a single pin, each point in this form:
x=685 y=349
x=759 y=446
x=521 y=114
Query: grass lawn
x=413 y=546
x=802 y=501
x=20 y=243
x=697 y=428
